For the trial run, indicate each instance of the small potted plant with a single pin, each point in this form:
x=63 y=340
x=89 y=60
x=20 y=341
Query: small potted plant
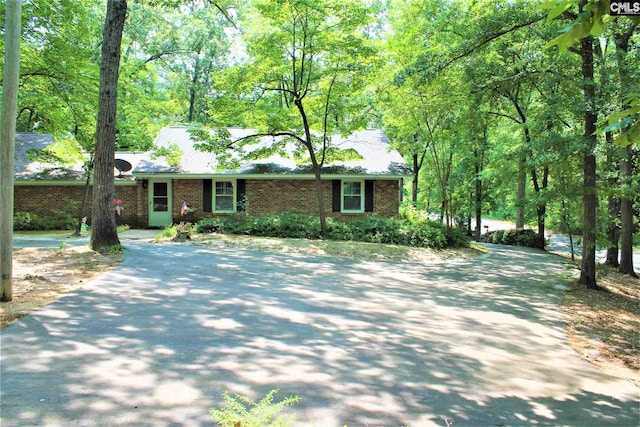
x=183 y=231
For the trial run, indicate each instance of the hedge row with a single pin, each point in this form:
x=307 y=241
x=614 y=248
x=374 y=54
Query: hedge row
x=56 y=220
x=514 y=237
x=371 y=228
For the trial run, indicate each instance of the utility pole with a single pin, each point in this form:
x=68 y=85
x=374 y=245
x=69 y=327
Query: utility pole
x=13 y=10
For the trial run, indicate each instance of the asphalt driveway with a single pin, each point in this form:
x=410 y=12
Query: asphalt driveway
x=158 y=339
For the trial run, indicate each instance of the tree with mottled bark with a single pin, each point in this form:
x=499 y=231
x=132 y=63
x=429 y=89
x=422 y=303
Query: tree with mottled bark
x=104 y=232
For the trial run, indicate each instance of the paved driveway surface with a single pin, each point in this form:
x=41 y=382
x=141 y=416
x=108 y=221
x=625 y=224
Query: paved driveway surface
x=158 y=339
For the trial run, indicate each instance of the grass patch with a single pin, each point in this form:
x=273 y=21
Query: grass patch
x=350 y=249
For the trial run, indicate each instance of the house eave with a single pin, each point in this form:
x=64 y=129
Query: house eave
x=48 y=182
x=267 y=176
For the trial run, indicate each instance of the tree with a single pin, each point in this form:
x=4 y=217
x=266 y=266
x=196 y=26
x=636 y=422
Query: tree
x=8 y=123
x=309 y=64
x=622 y=37
x=103 y=232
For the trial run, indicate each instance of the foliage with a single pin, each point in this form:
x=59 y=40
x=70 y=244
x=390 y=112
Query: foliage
x=242 y=411
x=183 y=231
x=122 y=228
x=414 y=231
x=55 y=220
x=514 y=237
x=172 y=154
x=592 y=20
x=169 y=231
x=179 y=232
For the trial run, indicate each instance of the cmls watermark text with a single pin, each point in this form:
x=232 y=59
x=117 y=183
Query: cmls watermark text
x=624 y=8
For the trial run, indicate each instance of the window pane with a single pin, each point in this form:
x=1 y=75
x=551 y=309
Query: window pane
x=224 y=203
x=160 y=189
x=160 y=204
x=352 y=196
x=351 y=188
x=224 y=188
x=352 y=203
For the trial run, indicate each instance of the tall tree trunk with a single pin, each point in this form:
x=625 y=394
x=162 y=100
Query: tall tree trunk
x=626 y=165
x=541 y=204
x=317 y=168
x=193 y=89
x=522 y=189
x=589 y=199
x=626 y=217
x=613 y=206
x=612 y=162
x=83 y=204
x=478 y=194
x=416 y=172
x=13 y=10
x=104 y=232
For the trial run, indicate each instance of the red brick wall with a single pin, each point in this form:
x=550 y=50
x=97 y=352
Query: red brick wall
x=280 y=195
x=43 y=199
x=189 y=190
x=299 y=196
x=263 y=196
x=386 y=198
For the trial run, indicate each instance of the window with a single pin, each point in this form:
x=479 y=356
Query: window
x=352 y=196
x=223 y=197
x=160 y=196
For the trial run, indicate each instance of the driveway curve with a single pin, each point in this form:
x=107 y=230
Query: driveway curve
x=156 y=341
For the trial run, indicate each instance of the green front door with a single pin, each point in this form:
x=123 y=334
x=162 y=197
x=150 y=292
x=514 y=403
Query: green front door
x=160 y=209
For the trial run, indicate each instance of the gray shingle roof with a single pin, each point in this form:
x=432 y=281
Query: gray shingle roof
x=29 y=170
x=378 y=157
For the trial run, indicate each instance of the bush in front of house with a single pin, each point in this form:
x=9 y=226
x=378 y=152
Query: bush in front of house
x=55 y=220
x=513 y=237
x=369 y=228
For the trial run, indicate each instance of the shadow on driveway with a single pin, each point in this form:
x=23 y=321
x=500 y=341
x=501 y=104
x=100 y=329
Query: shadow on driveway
x=158 y=339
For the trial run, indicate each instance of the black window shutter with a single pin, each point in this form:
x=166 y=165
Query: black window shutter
x=207 y=196
x=368 y=195
x=336 y=194
x=241 y=189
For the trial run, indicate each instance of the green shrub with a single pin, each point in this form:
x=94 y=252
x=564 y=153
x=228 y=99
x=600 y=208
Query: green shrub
x=338 y=230
x=183 y=231
x=410 y=231
x=513 y=237
x=55 y=220
x=242 y=411
x=169 y=231
x=209 y=225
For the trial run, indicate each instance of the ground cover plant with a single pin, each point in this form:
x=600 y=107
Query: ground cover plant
x=242 y=411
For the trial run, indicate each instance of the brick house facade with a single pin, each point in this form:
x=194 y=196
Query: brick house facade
x=153 y=192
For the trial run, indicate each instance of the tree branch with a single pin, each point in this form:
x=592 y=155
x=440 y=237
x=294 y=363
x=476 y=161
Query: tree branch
x=504 y=115
x=488 y=40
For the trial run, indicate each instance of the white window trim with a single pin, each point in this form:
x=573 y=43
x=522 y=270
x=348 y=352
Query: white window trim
x=362 y=191
x=213 y=195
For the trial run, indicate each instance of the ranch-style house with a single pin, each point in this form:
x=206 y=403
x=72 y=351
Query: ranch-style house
x=151 y=192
